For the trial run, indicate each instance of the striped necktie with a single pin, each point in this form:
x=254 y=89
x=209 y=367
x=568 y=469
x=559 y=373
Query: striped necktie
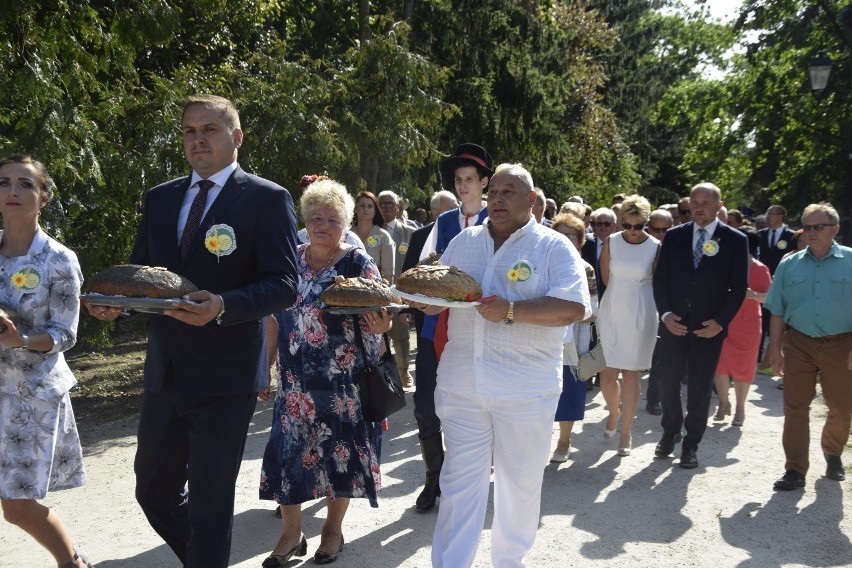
x=699 y=248
x=193 y=220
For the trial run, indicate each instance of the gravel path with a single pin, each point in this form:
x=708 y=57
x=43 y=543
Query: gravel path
x=597 y=508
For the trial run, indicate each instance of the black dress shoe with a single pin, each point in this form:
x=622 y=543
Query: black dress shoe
x=654 y=409
x=792 y=479
x=667 y=445
x=834 y=468
x=321 y=557
x=279 y=560
x=689 y=458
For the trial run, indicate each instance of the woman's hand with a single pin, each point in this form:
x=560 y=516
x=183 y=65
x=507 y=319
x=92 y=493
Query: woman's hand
x=378 y=322
x=10 y=336
x=103 y=313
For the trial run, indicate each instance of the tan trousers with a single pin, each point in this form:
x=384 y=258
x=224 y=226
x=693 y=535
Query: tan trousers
x=401 y=344
x=804 y=357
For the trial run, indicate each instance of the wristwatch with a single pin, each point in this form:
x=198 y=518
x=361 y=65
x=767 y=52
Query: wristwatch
x=25 y=343
x=221 y=311
x=510 y=315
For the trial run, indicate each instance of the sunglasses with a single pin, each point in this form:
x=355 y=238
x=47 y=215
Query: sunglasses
x=603 y=223
x=818 y=227
x=628 y=226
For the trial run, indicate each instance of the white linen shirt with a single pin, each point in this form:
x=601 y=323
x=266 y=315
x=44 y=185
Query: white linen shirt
x=521 y=360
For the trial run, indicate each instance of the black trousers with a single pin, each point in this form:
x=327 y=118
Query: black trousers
x=696 y=358
x=428 y=423
x=197 y=440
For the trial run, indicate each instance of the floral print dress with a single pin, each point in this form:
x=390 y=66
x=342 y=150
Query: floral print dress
x=39 y=445
x=320 y=445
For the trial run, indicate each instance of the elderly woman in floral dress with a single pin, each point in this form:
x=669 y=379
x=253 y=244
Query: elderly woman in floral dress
x=320 y=445
x=40 y=288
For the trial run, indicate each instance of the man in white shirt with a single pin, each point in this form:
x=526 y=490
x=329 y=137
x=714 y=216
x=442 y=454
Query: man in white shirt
x=499 y=378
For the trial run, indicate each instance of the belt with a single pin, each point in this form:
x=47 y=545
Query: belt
x=825 y=337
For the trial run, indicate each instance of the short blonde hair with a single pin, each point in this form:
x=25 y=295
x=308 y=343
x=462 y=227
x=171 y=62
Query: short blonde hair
x=222 y=106
x=822 y=207
x=575 y=209
x=327 y=193
x=636 y=205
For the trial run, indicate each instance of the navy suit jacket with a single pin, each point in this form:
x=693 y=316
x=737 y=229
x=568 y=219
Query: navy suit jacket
x=256 y=279
x=412 y=257
x=589 y=253
x=771 y=255
x=715 y=290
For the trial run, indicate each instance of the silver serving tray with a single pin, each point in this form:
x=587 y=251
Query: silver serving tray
x=340 y=311
x=144 y=305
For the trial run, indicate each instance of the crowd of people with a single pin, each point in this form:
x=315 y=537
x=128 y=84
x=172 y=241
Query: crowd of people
x=681 y=291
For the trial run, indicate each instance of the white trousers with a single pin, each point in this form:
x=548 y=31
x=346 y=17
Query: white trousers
x=516 y=435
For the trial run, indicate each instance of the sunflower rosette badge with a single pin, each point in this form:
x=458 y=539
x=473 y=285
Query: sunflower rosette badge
x=26 y=278
x=520 y=272
x=711 y=248
x=402 y=248
x=220 y=240
x=782 y=245
x=372 y=241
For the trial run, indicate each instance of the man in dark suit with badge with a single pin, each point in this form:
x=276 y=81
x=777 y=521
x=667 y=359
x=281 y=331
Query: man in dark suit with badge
x=233 y=235
x=699 y=284
x=775 y=241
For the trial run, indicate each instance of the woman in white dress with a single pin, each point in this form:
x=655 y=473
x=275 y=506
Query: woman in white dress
x=40 y=285
x=628 y=315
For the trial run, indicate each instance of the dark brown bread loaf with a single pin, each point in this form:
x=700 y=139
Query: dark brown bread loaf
x=357 y=293
x=137 y=281
x=9 y=313
x=446 y=282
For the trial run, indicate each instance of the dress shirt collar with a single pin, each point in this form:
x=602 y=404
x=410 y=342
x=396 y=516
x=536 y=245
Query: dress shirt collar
x=219 y=178
x=710 y=229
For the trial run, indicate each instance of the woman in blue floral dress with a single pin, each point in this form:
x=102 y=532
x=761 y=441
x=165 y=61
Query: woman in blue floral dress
x=40 y=288
x=320 y=445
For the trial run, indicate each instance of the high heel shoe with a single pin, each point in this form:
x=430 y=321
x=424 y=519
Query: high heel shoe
x=722 y=411
x=278 y=560
x=608 y=434
x=327 y=557
x=739 y=418
x=624 y=449
x=81 y=557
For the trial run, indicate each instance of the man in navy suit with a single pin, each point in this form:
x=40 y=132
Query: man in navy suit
x=233 y=235
x=699 y=284
x=775 y=241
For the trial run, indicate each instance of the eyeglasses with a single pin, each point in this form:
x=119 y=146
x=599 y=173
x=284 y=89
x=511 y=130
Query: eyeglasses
x=628 y=226
x=818 y=227
x=654 y=229
x=387 y=204
x=603 y=223
x=683 y=211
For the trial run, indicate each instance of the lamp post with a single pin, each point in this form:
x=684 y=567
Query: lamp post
x=820 y=71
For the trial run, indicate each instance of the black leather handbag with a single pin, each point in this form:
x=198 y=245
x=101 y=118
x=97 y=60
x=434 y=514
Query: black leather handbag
x=379 y=387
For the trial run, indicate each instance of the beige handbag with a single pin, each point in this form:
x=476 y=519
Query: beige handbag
x=591 y=363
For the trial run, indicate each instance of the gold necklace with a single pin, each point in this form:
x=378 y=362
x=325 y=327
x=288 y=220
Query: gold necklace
x=314 y=260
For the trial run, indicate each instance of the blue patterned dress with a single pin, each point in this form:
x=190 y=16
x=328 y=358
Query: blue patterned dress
x=39 y=445
x=320 y=446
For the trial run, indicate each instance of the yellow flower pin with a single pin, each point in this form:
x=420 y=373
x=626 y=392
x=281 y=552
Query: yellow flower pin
x=711 y=248
x=27 y=278
x=220 y=240
x=520 y=272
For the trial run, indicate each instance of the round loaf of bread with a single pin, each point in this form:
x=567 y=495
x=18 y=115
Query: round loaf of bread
x=137 y=281
x=357 y=293
x=445 y=282
x=9 y=313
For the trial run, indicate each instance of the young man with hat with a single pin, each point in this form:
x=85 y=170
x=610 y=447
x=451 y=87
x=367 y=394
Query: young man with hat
x=468 y=172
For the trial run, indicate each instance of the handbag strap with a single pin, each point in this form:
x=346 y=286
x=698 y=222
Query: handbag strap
x=359 y=339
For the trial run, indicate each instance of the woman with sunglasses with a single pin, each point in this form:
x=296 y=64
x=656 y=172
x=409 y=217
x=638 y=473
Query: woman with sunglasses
x=628 y=315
